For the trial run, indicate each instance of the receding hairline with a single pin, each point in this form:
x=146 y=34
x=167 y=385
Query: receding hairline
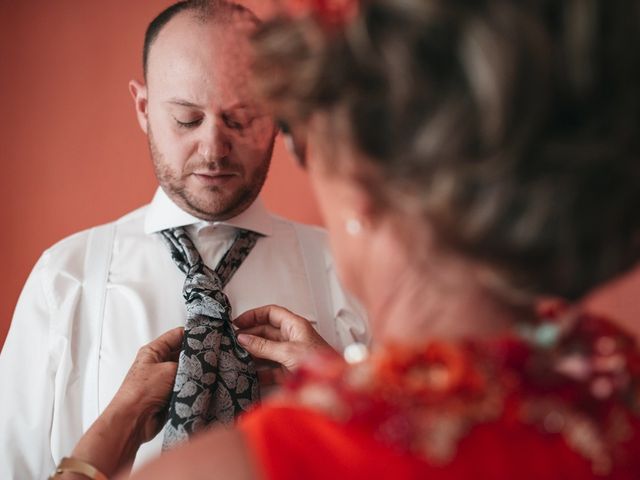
x=220 y=12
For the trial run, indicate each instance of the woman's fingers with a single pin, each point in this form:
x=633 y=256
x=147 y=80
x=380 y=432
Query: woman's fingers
x=164 y=348
x=274 y=333
x=277 y=324
x=169 y=341
x=282 y=352
x=267 y=315
x=173 y=356
x=266 y=331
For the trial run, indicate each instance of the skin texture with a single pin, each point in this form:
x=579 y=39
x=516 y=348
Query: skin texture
x=210 y=141
x=278 y=335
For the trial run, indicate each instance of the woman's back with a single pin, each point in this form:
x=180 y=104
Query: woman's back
x=558 y=400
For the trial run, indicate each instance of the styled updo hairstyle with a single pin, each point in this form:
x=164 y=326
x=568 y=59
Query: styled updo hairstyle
x=511 y=126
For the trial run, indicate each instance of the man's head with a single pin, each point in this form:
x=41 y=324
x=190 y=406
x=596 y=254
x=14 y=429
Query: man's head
x=210 y=141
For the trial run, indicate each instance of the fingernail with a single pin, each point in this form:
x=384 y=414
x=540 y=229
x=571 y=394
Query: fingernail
x=244 y=339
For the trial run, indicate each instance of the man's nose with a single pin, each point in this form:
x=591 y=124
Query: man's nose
x=214 y=143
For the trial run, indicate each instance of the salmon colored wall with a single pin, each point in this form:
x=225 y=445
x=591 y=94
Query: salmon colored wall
x=71 y=152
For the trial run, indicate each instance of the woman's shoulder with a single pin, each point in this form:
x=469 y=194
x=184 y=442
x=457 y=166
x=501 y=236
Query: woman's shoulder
x=559 y=396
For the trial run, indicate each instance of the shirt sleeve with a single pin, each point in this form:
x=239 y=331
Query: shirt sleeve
x=27 y=385
x=341 y=321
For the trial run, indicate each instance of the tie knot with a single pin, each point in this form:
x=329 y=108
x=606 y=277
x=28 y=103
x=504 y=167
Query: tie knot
x=202 y=279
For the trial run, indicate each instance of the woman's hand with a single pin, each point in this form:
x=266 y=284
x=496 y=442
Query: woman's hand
x=147 y=387
x=275 y=334
x=137 y=412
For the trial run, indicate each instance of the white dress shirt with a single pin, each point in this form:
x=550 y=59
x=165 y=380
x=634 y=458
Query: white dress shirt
x=49 y=393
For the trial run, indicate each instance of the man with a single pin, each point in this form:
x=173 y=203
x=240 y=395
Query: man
x=96 y=297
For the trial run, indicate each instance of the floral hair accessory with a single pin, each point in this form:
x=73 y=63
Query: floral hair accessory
x=331 y=13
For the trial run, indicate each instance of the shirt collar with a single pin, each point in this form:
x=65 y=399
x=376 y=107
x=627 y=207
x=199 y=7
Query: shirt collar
x=164 y=213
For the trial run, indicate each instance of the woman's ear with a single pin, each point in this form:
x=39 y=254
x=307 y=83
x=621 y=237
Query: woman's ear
x=140 y=100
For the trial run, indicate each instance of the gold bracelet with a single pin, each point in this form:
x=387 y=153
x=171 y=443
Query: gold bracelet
x=73 y=465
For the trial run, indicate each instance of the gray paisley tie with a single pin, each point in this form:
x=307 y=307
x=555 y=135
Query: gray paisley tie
x=216 y=378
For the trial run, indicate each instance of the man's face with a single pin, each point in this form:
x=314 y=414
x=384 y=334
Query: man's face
x=211 y=143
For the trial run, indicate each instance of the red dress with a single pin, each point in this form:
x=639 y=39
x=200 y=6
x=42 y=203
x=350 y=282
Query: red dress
x=559 y=399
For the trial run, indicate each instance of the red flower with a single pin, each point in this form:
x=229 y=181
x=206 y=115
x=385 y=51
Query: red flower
x=434 y=372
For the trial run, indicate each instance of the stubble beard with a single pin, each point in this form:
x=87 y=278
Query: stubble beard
x=211 y=203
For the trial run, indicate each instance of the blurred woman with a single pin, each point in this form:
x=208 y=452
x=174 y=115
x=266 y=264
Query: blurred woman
x=477 y=165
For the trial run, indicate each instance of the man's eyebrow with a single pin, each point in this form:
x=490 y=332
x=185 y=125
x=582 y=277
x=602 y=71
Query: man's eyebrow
x=184 y=103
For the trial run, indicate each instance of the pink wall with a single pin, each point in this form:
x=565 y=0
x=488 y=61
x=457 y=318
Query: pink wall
x=71 y=151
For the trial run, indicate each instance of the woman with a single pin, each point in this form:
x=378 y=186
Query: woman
x=477 y=167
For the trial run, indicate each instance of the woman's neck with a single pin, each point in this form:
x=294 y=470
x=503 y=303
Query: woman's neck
x=421 y=306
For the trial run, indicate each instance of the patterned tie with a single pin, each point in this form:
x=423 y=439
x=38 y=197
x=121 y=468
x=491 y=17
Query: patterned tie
x=216 y=378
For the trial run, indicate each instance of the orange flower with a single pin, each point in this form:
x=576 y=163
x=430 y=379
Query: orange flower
x=439 y=369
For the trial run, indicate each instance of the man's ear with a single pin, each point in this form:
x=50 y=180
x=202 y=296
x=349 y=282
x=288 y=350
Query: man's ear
x=139 y=93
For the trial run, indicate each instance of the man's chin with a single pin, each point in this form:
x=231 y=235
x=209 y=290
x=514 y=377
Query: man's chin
x=220 y=208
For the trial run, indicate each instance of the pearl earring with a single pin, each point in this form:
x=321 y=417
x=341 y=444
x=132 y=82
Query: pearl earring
x=353 y=226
